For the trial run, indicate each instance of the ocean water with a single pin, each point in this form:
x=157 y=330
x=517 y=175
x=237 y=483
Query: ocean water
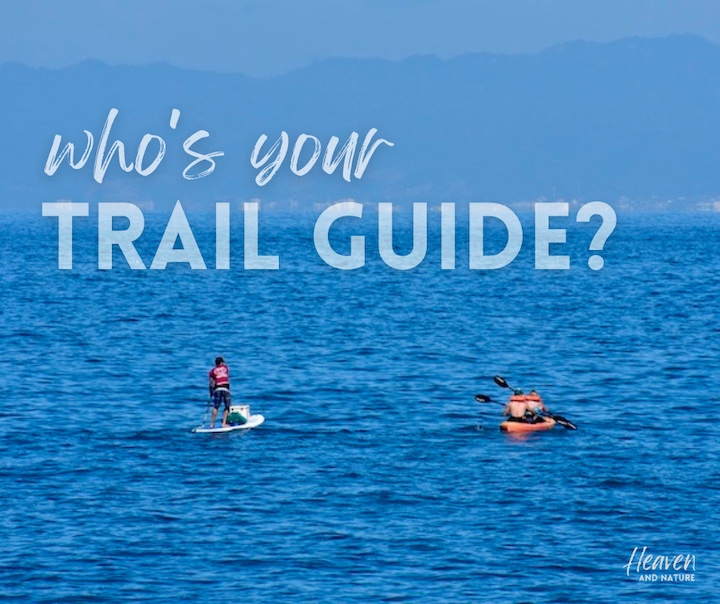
x=376 y=477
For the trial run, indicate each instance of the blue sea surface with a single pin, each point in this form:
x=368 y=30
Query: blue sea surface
x=376 y=477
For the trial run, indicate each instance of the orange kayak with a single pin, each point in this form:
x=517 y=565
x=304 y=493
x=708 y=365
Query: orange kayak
x=548 y=424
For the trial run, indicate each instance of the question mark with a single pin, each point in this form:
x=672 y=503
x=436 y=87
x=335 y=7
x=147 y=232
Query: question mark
x=609 y=220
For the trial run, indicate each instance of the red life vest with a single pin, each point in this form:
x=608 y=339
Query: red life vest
x=221 y=375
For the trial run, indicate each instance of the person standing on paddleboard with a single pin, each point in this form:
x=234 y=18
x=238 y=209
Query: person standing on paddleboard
x=220 y=390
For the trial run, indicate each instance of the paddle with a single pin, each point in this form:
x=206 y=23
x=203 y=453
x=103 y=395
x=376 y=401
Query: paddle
x=482 y=398
x=565 y=423
x=207 y=408
x=500 y=381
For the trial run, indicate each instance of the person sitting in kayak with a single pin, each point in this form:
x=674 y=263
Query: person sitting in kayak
x=521 y=408
x=516 y=407
x=220 y=390
x=535 y=404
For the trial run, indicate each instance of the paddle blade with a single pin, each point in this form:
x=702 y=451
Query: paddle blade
x=500 y=381
x=482 y=398
x=565 y=423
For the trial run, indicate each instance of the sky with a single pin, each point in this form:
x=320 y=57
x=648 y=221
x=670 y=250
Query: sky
x=271 y=37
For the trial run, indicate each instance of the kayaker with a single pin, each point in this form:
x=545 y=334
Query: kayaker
x=516 y=407
x=534 y=403
x=219 y=383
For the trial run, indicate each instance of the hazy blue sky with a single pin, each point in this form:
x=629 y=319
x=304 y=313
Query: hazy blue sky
x=262 y=37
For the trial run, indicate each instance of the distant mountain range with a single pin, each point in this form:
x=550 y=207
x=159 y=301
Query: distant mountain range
x=636 y=118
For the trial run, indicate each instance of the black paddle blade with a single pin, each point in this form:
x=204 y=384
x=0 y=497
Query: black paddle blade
x=482 y=398
x=565 y=423
x=500 y=381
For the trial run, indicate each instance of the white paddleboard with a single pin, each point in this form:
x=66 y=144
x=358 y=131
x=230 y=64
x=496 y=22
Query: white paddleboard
x=253 y=422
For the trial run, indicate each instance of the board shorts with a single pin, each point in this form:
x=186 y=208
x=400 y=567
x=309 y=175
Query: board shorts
x=221 y=395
